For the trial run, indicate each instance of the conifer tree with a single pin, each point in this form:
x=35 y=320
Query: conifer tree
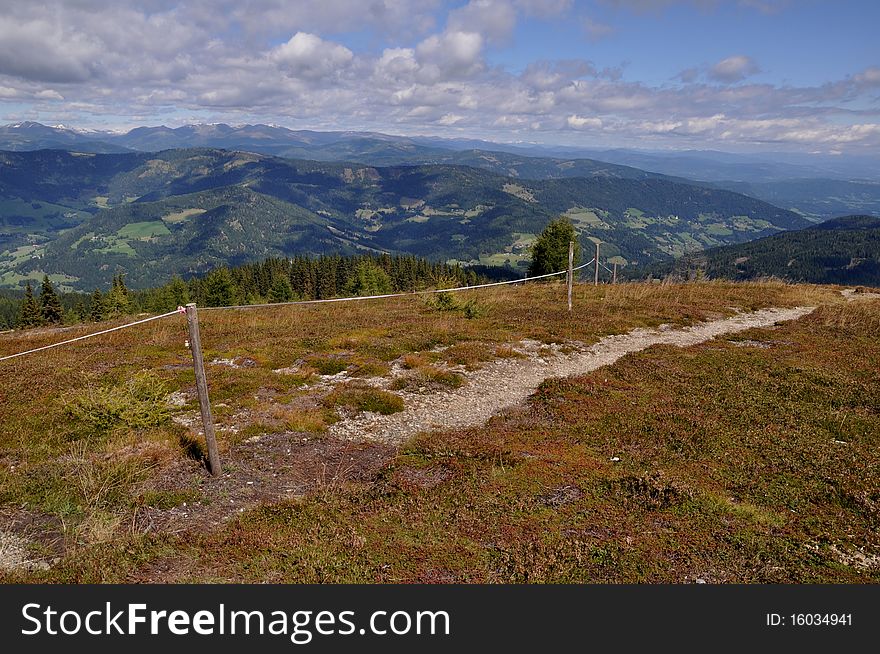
x=178 y=291
x=50 y=304
x=30 y=316
x=550 y=251
x=281 y=290
x=80 y=313
x=117 y=300
x=99 y=307
x=370 y=279
x=219 y=288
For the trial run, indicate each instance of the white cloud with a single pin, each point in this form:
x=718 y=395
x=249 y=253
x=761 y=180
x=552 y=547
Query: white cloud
x=733 y=69
x=309 y=56
x=451 y=54
x=493 y=19
x=579 y=122
x=544 y=8
x=418 y=67
x=48 y=94
x=44 y=50
x=869 y=76
x=595 y=30
x=450 y=119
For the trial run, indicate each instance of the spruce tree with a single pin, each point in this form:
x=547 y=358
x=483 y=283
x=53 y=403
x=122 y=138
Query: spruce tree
x=550 y=251
x=370 y=279
x=117 y=299
x=50 y=305
x=219 y=288
x=31 y=315
x=281 y=290
x=99 y=307
x=178 y=292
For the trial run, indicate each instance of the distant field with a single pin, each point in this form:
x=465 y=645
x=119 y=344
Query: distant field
x=180 y=216
x=143 y=230
x=749 y=458
x=15 y=279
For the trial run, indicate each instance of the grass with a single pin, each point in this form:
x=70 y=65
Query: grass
x=740 y=464
x=144 y=230
x=364 y=398
x=61 y=282
x=425 y=377
x=181 y=216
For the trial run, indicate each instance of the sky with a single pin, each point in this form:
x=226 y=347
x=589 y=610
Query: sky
x=734 y=75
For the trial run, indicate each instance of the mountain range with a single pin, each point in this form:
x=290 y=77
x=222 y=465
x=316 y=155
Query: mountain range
x=83 y=217
x=816 y=186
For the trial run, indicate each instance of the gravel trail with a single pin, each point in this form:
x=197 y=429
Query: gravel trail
x=506 y=383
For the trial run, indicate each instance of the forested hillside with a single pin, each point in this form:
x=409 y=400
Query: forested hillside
x=841 y=251
x=83 y=218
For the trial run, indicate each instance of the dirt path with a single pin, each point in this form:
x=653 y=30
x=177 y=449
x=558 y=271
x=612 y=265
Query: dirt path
x=505 y=383
x=852 y=294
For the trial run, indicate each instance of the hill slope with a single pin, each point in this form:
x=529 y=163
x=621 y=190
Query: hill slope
x=819 y=187
x=84 y=216
x=841 y=251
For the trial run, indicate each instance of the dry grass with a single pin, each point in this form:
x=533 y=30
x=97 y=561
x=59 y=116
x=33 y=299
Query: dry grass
x=91 y=478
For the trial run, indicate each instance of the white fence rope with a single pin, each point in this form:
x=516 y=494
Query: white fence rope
x=388 y=295
x=281 y=304
x=103 y=331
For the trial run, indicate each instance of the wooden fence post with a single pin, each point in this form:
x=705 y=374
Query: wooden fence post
x=596 y=280
x=195 y=346
x=614 y=274
x=570 y=271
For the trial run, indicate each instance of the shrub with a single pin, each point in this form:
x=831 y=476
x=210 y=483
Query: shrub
x=364 y=398
x=138 y=403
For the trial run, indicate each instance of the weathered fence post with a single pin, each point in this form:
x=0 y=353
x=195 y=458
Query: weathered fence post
x=596 y=280
x=614 y=274
x=195 y=346
x=570 y=271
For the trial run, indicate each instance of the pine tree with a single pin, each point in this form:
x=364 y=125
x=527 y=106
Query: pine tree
x=50 y=305
x=99 y=307
x=281 y=290
x=30 y=316
x=219 y=288
x=370 y=279
x=118 y=300
x=178 y=291
x=550 y=251
x=80 y=313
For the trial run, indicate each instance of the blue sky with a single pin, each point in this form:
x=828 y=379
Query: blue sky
x=739 y=75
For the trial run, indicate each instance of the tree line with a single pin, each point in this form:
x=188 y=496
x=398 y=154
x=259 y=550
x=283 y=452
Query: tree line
x=270 y=281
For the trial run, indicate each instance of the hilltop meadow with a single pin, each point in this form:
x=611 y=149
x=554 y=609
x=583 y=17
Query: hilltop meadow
x=748 y=458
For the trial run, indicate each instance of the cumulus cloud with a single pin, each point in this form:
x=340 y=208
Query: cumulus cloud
x=48 y=94
x=451 y=54
x=733 y=69
x=44 y=50
x=548 y=75
x=308 y=55
x=493 y=19
x=417 y=67
x=582 y=122
x=869 y=77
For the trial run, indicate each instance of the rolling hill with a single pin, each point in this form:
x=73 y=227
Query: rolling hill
x=841 y=251
x=81 y=217
x=815 y=198
x=816 y=186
